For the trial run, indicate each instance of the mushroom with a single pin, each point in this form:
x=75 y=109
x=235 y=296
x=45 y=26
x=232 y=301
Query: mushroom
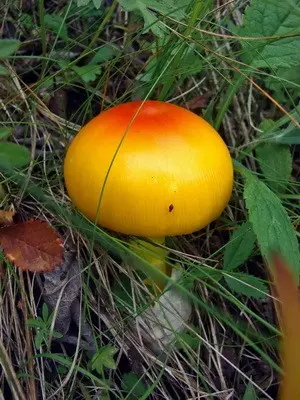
x=149 y=169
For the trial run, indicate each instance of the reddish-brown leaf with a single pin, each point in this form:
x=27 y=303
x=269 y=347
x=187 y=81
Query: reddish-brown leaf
x=32 y=245
x=198 y=102
x=6 y=217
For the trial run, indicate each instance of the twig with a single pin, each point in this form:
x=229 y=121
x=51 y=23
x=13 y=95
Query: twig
x=31 y=382
x=10 y=374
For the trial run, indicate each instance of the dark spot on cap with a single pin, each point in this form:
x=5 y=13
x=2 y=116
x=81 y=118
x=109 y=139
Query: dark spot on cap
x=171 y=207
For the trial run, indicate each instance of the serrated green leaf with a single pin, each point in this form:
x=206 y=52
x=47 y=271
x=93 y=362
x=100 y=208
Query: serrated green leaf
x=271 y=223
x=146 y=8
x=266 y=125
x=88 y=73
x=187 y=339
x=8 y=47
x=13 y=155
x=247 y=285
x=199 y=273
x=97 y=3
x=250 y=392
x=275 y=162
x=285 y=78
x=104 y=358
x=151 y=22
x=3 y=70
x=271 y=18
x=283 y=53
x=4 y=132
x=274 y=159
x=57 y=24
x=103 y=54
x=240 y=247
x=134 y=385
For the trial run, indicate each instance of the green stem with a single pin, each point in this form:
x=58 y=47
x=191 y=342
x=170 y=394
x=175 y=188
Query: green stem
x=43 y=34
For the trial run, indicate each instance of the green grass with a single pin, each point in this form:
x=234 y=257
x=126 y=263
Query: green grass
x=70 y=63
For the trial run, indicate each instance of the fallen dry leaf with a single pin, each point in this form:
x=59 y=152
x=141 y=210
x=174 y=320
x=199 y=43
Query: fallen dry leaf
x=198 y=102
x=6 y=217
x=32 y=245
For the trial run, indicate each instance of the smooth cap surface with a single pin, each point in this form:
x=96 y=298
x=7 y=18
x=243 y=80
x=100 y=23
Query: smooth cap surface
x=149 y=169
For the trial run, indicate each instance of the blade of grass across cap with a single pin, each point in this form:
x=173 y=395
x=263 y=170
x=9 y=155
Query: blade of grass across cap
x=289 y=318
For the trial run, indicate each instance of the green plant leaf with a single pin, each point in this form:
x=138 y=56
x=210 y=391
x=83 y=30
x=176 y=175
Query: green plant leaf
x=13 y=155
x=134 y=385
x=35 y=323
x=280 y=54
x=4 y=132
x=97 y=3
x=199 y=273
x=270 y=221
x=146 y=8
x=8 y=47
x=45 y=312
x=285 y=78
x=57 y=24
x=3 y=70
x=240 y=247
x=250 y=393
x=39 y=338
x=247 y=285
x=81 y=3
x=283 y=53
x=88 y=73
x=104 y=358
x=271 y=18
x=57 y=335
x=275 y=162
x=105 y=53
x=187 y=339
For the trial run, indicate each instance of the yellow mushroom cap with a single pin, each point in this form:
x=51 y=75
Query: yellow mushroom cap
x=149 y=169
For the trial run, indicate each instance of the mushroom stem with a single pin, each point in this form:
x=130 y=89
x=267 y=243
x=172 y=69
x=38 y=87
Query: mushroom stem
x=153 y=252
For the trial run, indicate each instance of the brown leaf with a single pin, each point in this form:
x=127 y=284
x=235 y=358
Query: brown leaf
x=286 y=288
x=32 y=245
x=198 y=102
x=6 y=217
